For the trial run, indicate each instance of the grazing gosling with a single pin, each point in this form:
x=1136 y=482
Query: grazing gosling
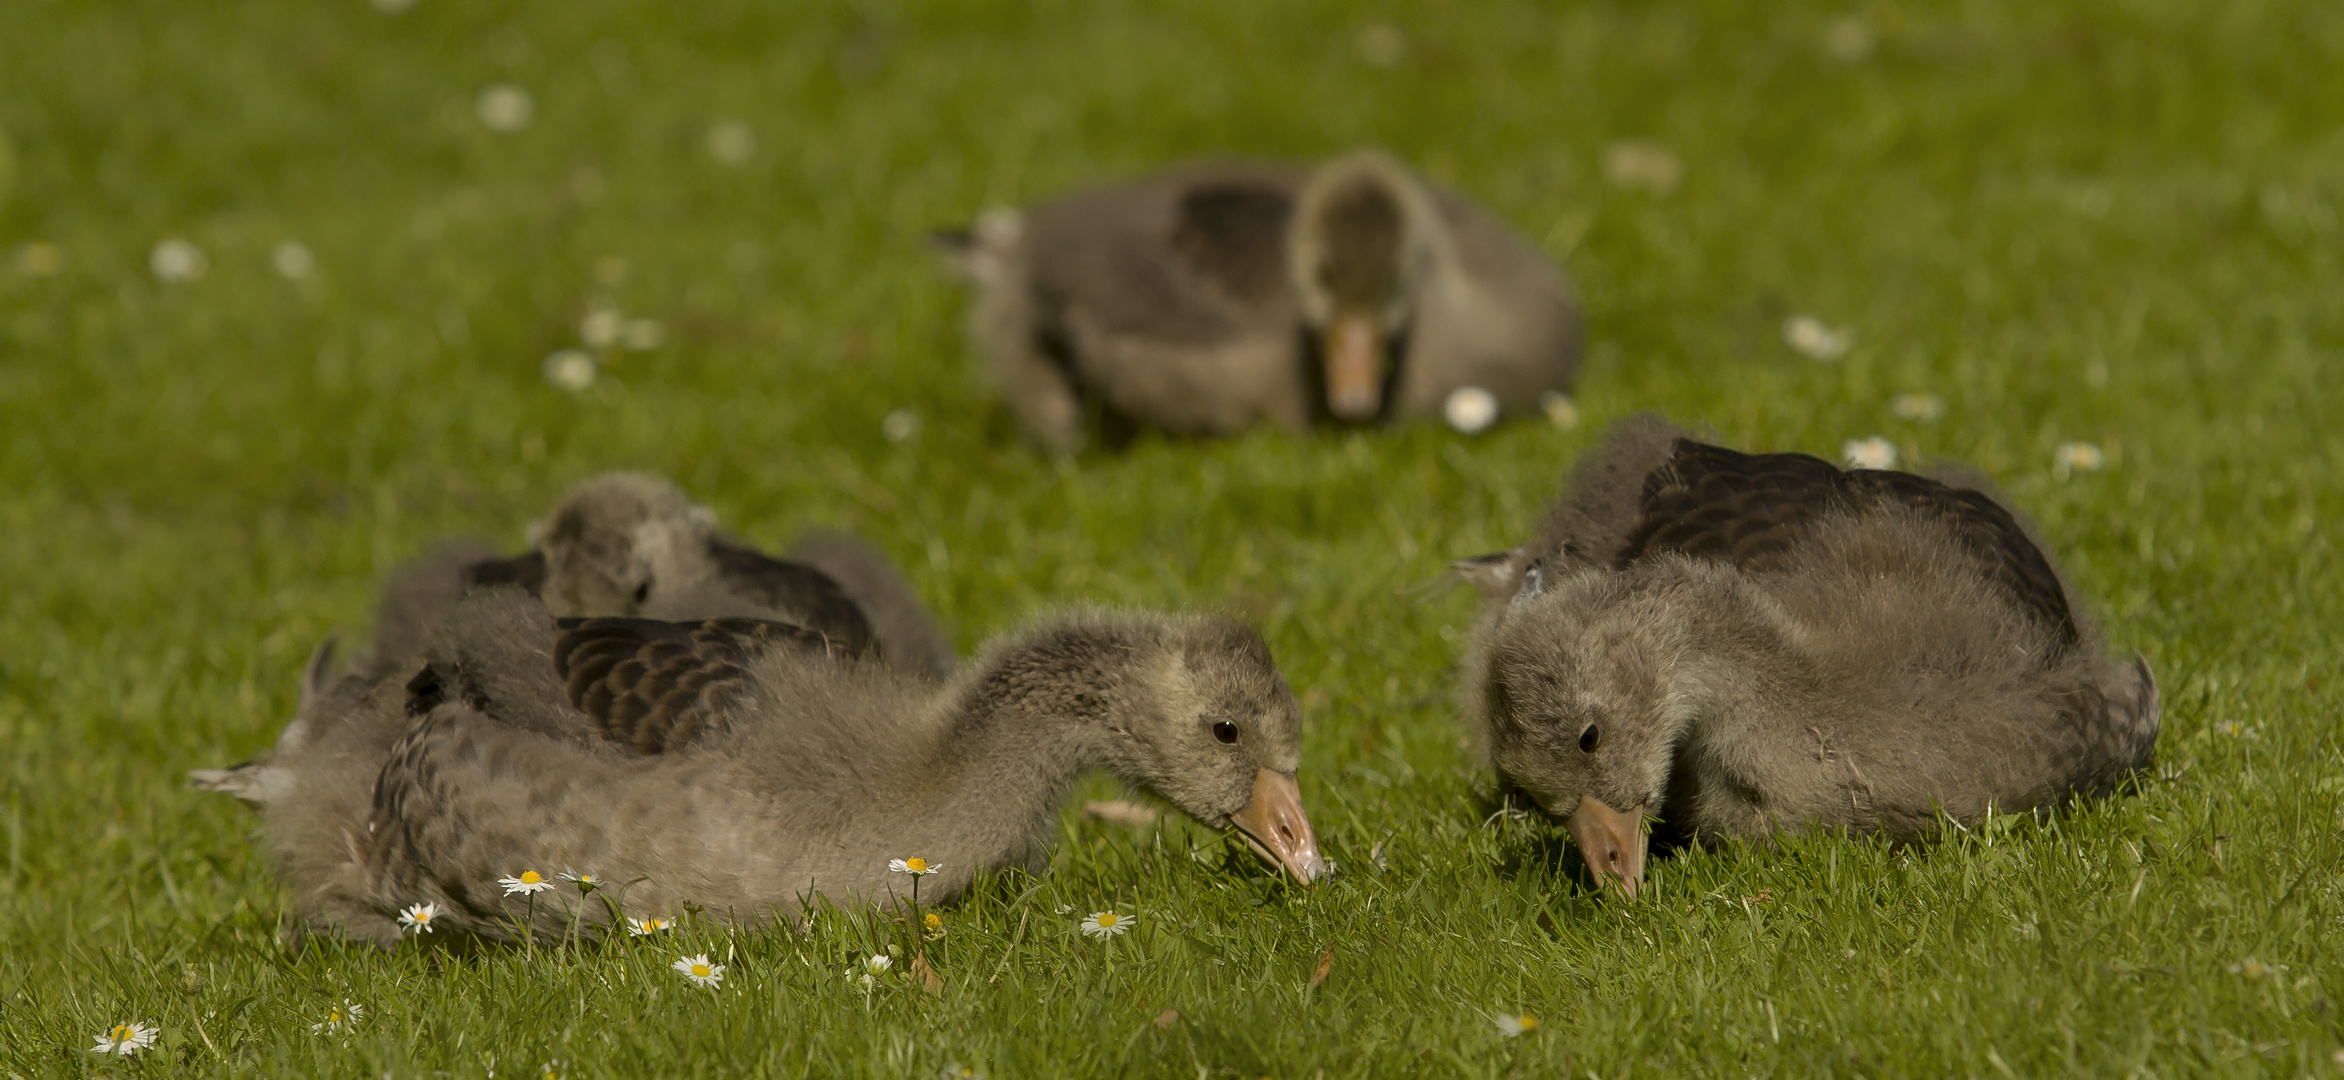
x=1743 y=644
x=716 y=765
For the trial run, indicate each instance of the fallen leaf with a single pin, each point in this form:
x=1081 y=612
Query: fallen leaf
x=1326 y=965
x=1165 y=1019
x=926 y=976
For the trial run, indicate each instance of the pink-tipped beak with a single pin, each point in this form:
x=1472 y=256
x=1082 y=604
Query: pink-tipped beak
x=1355 y=346
x=1611 y=842
x=1275 y=828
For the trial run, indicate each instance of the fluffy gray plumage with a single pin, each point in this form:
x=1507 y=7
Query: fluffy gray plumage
x=1740 y=644
x=1217 y=295
x=771 y=778
x=910 y=637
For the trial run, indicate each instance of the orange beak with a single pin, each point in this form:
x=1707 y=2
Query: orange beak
x=1275 y=828
x=1355 y=349
x=1610 y=841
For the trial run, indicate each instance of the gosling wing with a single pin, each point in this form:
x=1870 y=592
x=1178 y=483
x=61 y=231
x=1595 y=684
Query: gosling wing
x=657 y=687
x=808 y=596
x=1752 y=511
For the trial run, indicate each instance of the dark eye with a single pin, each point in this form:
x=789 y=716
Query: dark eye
x=1588 y=739
x=1225 y=731
x=642 y=592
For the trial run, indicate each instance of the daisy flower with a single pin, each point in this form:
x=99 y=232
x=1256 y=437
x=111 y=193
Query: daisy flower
x=527 y=882
x=1917 y=406
x=699 y=970
x=933 y=924
x=126 y=1038
x=899 y=425
x=870 y=969
x=504 y=107
x=1512 y=1026
x=1106 y=924
x=1470 y=409
x=346 y=1014
x=417 y=918
x=601 y=327
x=2075 y=457
x=652 y=925
x=732 y=142
x=914 y=867
x=570 y=369
x=1559 y=409
x=643 y=335
x=174 y=259
x=1871 y=452
x=1807 y=335
x=586 y=882
x=293 y=260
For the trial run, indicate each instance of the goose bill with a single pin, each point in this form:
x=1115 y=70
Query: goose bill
x=1610 y=841
x=1355 y=346
x=1275 y=828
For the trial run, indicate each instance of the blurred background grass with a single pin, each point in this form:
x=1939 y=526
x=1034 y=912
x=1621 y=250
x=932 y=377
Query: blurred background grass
x=2107 y=223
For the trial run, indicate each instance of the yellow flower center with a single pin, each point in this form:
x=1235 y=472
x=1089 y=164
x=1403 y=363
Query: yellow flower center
x=700 y=970
x=934 y=921
x=529 y=877
x=121 y=1033
x=1106 y=918
x=917 y=866
x=1530 y=1023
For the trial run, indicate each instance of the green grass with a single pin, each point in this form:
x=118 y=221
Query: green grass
x=2110 y=222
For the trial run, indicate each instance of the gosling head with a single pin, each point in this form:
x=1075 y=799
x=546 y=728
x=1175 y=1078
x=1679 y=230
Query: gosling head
x=1357 y=251
x=1216 y=732
x=617 y=541
x=1584 y=705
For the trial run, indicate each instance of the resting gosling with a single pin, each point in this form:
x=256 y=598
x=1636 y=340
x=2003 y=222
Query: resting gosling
x=1216 y=295
x=712 y=764
x=1743 y=644
x=627 y=544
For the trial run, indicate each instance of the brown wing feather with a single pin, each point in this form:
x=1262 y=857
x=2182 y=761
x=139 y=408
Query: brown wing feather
x=1712 y=503
x=659 y=686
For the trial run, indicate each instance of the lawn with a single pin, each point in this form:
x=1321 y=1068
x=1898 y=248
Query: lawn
x=2108 y=223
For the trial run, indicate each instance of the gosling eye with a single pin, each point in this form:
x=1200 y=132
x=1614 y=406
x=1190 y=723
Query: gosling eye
x=1225 y=731
x=1588 y=739
x=642 y=592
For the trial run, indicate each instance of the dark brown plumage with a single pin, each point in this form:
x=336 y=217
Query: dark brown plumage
x=1744 y=643
x=723 y=765
x=1218 y=295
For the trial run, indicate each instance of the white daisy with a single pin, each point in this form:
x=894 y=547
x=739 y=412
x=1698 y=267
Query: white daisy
x=126 y=1038
x=504 y=107
x=1470 y=409
x=645 y=927
x=417 y=918
x=732 y=142
x=525 y=883
x=586 y=882
x=1559 y=408
x=601 y=326
x=347 y=1014
x=1815 y=341
x=1922 y=407
x=293 y=260
x=2075 y=457
x=1107 y=924
x=900 y=425
x=914 y=867
x=175 y=259
x=870 y=969
x=1871 y=452
x=570 y=369
x=643 y=335
x=1644 y=164
x=1512 y=1026
x=699 y=970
